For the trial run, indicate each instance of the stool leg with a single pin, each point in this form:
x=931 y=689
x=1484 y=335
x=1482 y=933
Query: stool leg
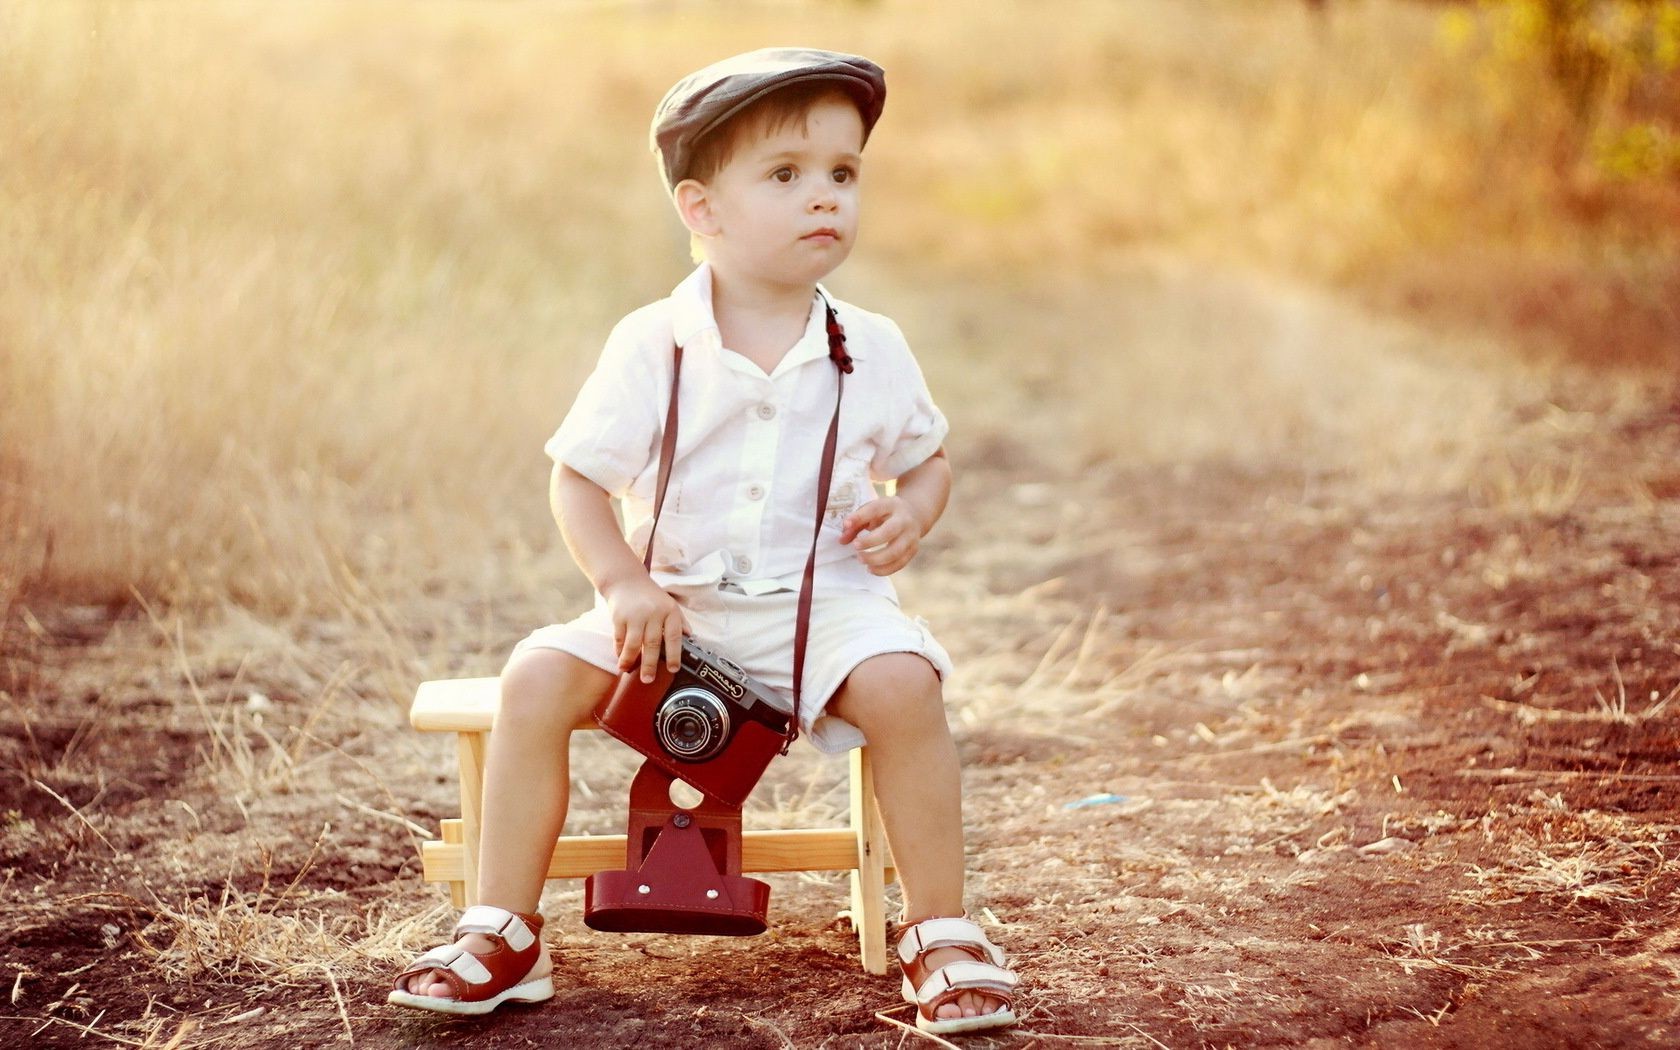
x=450 y=832
x=469 y=750
x=869 y=889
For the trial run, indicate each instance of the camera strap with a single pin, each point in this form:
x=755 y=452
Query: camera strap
x=668 y=454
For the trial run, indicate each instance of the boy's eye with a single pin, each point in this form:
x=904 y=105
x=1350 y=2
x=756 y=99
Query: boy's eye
x=844 y=174
x=782 y=175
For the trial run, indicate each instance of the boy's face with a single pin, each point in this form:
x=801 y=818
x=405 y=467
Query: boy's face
x=784 y=209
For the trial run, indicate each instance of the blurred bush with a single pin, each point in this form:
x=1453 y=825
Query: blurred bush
x=1614 y=64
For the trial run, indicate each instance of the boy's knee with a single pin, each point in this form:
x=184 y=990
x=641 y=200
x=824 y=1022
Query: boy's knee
x=549 y=689
x=890 y=689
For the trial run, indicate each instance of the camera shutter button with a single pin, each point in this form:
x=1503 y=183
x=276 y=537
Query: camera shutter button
x=682 y=820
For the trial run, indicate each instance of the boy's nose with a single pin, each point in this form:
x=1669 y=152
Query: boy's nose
x=825 y=200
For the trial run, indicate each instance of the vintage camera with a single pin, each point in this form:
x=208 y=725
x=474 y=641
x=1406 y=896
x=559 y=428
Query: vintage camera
x=709 y=724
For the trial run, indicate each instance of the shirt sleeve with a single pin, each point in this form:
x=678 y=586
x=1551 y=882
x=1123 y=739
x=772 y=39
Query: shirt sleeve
x=916 y=428
x=608 y=436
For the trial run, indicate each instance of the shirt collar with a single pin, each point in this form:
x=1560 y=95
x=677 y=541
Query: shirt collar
x=691 y=308
x=692 y=321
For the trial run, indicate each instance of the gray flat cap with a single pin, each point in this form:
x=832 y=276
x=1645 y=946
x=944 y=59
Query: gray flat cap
x=702 y=101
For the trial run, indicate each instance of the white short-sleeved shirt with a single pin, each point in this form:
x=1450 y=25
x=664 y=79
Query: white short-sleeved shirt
x=741 y=502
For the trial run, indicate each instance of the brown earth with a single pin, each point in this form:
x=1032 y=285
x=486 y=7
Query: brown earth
x=1393 y=771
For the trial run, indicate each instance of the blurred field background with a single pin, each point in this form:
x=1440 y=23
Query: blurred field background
x=291 y=294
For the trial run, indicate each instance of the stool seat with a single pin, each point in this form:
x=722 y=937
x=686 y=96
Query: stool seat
x=467 y=708
x=462 y=705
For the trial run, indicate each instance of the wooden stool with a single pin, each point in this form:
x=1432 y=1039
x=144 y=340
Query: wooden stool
x=467 y=708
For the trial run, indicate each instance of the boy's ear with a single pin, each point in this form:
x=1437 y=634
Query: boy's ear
x=694 y=207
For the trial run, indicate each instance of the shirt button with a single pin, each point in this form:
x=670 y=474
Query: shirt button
x=755 y=492
x=743 y=565
x=767 y=411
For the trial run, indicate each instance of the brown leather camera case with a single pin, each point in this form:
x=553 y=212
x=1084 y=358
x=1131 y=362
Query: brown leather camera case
x=683 y=870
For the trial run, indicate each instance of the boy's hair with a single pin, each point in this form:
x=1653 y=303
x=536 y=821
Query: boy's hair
x=770 y=114
x=787 y=107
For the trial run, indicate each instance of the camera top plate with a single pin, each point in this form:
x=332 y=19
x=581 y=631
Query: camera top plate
x=721 y=675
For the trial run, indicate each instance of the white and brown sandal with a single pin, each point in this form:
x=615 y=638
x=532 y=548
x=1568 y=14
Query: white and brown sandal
x=481 y=981
x=932 y=987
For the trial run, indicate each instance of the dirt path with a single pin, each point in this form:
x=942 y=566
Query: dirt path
x=1385 y=770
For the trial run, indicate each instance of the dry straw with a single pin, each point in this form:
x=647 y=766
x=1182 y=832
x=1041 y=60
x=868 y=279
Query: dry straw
x=300 y=334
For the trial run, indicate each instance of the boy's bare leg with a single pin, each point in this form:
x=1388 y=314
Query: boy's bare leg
x=544 y=694
x=896 y=701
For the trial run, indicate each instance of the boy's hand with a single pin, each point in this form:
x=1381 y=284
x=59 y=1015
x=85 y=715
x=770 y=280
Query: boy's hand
x=645 y=621
x=887 y=533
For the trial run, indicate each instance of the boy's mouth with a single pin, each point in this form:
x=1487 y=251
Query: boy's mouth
x=828 y=232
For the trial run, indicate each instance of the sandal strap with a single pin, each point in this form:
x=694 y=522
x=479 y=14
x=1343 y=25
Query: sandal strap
x=957 y=977
x=455 y=959
x=459 y=969
x=511 y=928
x=929 y=934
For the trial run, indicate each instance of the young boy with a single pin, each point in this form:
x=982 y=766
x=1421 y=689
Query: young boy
x=761 y=154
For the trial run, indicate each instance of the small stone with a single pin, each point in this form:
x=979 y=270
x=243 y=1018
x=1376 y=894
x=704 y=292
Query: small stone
x=1392 y=844
x=1319 y=856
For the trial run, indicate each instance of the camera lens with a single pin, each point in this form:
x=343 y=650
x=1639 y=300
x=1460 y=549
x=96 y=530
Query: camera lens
x=691 y=724
x=687 y=731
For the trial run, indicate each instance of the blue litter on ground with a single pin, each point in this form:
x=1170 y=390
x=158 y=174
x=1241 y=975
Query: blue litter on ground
x=1095 y=800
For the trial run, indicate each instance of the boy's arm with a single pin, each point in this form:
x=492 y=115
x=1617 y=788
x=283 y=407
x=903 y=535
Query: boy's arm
x=645 y=618
x=889 y=530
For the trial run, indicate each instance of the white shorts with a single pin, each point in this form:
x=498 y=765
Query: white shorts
x=756 y=632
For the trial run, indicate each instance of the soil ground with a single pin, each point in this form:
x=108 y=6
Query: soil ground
x=1375 y=769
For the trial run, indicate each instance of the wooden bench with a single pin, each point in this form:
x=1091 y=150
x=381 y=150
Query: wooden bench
x=467 y=708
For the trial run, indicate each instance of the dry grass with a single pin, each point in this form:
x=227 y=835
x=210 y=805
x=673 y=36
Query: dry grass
x=282 y=941
x=1614 y=709
x=1576 y=872
x=1573 y=857
x=288 y=332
